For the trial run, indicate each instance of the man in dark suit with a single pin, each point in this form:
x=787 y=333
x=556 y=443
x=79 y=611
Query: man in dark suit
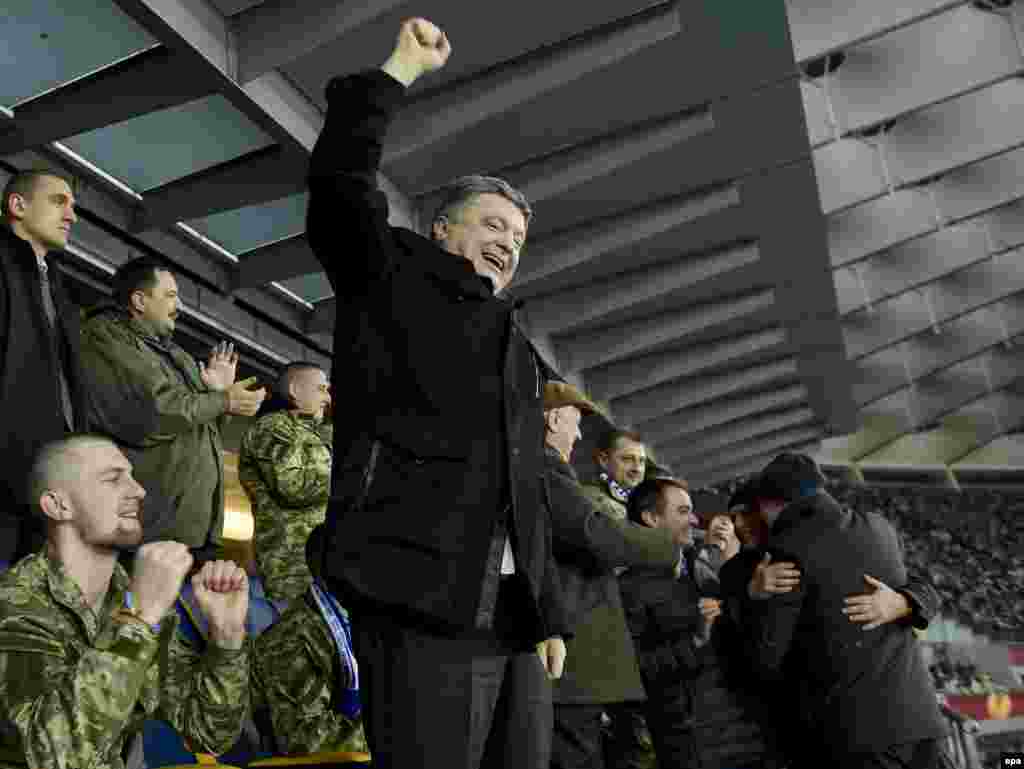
x=438 y=541
x=589 y=544
x=40 y=391
x=862 y=690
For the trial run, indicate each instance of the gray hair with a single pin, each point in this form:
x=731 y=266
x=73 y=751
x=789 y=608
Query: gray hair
x=466 y=188
x=54 y=465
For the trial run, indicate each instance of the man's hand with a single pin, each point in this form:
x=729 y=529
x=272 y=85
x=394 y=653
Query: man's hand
x=159 y=570
x=421 y=47
x=877 y=607
x=219 y=372
x=222 y=592
x=710 y=610
x=552 y=657
x=773 y=578
x=242 y=401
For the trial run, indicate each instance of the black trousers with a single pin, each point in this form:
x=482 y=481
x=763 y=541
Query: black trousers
x=432 y=701
x=577 y=742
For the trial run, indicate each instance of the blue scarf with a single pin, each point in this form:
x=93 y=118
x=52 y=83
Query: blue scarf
x=621 y=493
x=341 y=630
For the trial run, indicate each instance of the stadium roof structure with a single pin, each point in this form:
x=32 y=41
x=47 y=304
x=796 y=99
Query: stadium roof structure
x=759 y=226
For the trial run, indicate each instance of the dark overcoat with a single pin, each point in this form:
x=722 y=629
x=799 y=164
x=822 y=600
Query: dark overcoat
x=441 y=448
x=31 y=410
x=859 y=690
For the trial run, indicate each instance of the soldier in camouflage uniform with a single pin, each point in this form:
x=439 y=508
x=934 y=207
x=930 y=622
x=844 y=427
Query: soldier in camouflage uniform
x=307 y=677
x=86 y=655
x=285 y=467
x=621 y=459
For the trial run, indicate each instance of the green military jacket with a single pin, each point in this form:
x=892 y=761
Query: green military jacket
x=148 y=396
x=284 y=466
x=295 y=666
x=597 y=492
x=75 y=683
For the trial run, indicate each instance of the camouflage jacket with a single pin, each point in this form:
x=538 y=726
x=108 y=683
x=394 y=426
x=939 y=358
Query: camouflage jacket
x=598 y=493
x=75 y=683
x=285 y=467
x=294 y=669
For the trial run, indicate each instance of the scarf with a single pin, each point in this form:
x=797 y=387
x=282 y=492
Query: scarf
x=341 y=630
x=621 y=493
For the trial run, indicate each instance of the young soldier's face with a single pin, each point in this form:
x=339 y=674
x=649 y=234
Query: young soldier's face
x=106 y=499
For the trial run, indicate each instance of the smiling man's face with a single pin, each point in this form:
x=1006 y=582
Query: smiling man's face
x=489 y=231
x=105 y=498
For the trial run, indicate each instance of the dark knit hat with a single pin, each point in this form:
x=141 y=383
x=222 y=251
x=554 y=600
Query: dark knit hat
x=788 y=477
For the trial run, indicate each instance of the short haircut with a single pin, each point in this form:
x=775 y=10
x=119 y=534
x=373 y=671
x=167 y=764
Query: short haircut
x=138 y=274
x=644 y=498
x=24 y=183
x=466 y=189
x=610 y=439
x=52 y=463
x=289 y=372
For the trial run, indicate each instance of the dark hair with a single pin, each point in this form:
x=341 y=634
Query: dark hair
x=466 y=188
x=24 y=183
x=644 y=498
x=610 y=438
x=788 y=477
x=138 y=274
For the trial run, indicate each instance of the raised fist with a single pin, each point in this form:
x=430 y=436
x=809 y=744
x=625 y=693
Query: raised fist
x=421 y=47
x=159 y=570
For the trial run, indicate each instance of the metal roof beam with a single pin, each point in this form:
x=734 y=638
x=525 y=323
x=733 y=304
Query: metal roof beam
x=565 y=250
x=694 y=444
x=122 y=91
x=709 y=415
x=561 y=312
x=284 y=259
x=452 y=108
x=257 y=177
x=749 y=466
x=615 y=380
x=593 y=348
x=686 y=393
x=275 y=33
x=770 y=443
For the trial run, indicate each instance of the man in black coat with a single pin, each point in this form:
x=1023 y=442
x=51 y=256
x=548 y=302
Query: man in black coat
x=40 y=392
x=437 y=537
x=589 y=546
x=862 y=690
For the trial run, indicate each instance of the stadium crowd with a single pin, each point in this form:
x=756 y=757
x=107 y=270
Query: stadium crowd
x=443 y=589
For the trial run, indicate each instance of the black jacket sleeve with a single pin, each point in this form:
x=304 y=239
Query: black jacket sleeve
x=587 y=537
x=347 y=219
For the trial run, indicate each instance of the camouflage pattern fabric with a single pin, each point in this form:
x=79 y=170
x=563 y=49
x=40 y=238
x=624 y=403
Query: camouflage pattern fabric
x=294 y=670
x=75 y=683
x=285 y=467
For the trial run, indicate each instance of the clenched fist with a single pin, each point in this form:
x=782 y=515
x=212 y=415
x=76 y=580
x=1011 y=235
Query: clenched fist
x=222 y=592
x=421 y=47
x=159 y=570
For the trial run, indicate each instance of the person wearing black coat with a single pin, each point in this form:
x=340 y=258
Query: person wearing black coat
x=41 y=397
x=437 y=537
x=589 y=546
x=863 y=696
